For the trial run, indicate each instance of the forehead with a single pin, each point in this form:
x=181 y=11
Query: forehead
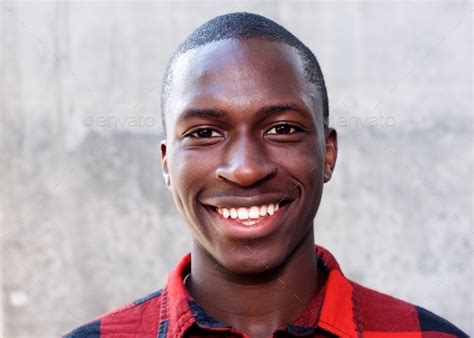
x=239 y=73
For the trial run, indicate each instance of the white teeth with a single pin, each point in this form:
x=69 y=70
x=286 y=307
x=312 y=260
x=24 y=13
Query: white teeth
x=243 y=213
x=253 y=212
x=271 y=209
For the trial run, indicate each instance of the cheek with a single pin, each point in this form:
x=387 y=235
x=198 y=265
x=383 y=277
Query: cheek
x=306 y=166
x=312 y=173
x=188 y=173
x=305 y=162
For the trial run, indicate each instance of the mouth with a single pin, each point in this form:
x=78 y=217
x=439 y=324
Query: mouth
x=250 y=215
x=250 y=221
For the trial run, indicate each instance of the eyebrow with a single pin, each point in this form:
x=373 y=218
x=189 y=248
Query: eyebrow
x=196 y=113
x=265 y=111
x=280 y=108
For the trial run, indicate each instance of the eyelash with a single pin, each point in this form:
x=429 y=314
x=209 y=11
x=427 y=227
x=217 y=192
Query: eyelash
x=293 y=129
x=194 y=134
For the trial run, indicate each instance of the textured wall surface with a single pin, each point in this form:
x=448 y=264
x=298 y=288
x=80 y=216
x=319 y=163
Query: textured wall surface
x=87 y=224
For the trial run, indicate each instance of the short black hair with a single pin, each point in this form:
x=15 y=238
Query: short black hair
x=245 y=26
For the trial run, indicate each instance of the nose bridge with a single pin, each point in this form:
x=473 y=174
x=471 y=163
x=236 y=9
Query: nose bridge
x=245 y=152
x=245 y=162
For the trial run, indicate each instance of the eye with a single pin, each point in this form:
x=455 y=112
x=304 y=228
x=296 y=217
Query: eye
x=283 y=129
x=204 y=133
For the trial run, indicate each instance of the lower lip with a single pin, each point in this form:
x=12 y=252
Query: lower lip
x=262 y=227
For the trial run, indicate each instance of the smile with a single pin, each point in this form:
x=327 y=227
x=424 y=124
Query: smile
x=248 y=217
x=253 y=212
x=261 y=215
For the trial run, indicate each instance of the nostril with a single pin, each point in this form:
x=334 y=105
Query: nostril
x=246 y=176
x=245 y=163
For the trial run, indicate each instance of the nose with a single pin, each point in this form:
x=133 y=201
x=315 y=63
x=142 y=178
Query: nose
x=246 y=164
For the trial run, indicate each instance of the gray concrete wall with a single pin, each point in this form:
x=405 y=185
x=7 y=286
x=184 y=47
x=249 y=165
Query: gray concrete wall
x=87 y=224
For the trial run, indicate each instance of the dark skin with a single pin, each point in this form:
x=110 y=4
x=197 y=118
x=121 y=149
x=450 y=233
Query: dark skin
x=245 y=128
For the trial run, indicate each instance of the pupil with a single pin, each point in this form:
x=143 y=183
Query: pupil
x=283 y=129
x=205 y=133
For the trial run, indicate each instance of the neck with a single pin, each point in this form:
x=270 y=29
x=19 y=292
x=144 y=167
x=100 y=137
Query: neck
x=256 y=304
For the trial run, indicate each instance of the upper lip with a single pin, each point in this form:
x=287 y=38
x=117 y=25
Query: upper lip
x=245 y=201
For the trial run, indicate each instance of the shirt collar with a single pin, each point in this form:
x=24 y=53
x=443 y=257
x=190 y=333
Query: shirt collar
x=333 y=309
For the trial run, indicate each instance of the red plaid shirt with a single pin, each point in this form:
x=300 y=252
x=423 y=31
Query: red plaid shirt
x=342 y=309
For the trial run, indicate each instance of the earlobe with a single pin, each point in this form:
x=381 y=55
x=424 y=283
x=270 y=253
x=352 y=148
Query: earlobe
x=327 y=173
x=164 y=163
x=331 y=153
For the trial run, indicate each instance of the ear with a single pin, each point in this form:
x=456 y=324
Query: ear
x=164 y=163
x=331 y=153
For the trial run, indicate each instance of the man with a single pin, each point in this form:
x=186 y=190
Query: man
x=247 y=152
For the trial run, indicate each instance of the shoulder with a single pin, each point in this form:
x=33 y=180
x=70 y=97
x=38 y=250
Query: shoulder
x=381 y=313
x=89 y=330
x=140 y=316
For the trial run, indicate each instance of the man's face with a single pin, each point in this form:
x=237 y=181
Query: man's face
x=245 y=156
